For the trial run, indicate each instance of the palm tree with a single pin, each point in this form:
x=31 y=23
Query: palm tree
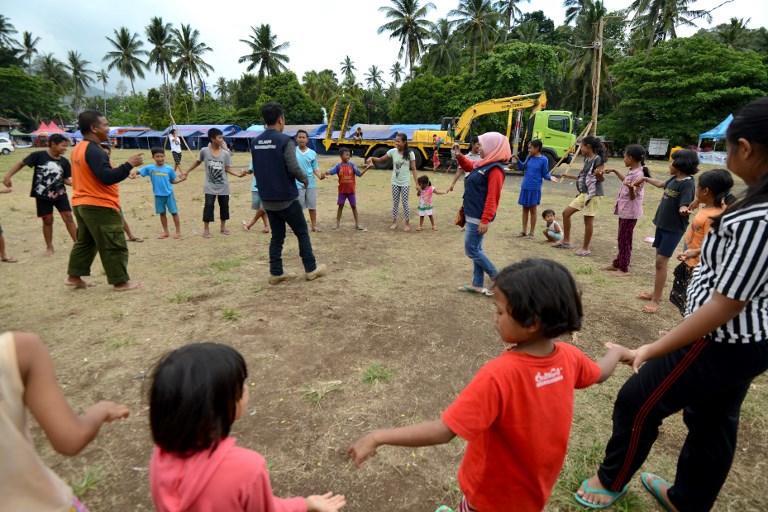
x=188 y=51
x=573 y=9
x=126 y=56
x=396 y=72
x=348 y=68
x=28 y=45
x=50 y=68
x=374 y=77
x=527 y=32
x=82 y=77
x=264 y=52
x=511 y=12
x=310 y=81
x=160 y=56
x=222 y=88
x=734 y=33
x=442 y=57
x=6 y=31
x=659 y=19
x=409 y=25
x=327 y=86
x=102 y=77
x=478 y=21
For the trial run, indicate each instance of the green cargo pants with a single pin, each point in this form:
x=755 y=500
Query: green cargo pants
x=99 y=229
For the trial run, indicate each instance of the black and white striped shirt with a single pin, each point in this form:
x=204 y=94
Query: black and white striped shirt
x=734 y=261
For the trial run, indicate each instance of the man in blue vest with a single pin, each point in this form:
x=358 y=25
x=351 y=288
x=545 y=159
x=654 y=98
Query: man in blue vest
x=276 y=170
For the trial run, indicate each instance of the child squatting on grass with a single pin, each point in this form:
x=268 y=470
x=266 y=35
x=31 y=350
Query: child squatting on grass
x=198 y=391
x=516 y=412
x=28 y=381
x=162 y=176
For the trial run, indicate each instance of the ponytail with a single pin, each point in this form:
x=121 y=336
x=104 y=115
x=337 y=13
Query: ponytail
x=637 y=152
x=596 y=145
x=719 y=182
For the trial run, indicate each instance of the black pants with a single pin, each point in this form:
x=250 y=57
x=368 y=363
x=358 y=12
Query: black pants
x=708 y=381
x=294 y=217
x=210 y=201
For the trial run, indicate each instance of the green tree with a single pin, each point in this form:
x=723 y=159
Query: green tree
x=409 y=25
x=286 y=90
x=50 y=68
x=681 y=88
x=264 y=52
x=154 y=114
x=30 y=98
x=188 y=52
x=374 y=77
x=127 y=55
x=222 y=89
x=248 y=91
x=327 y=86
x=6 y=31
x=348 y=68
x=396 y=72
x=478 y=22
x=29 y=48
x=103 y=78
x=424 y=98
x=443 y=53
x=657 y=20
x=159 y=35
x=82 y=77
x=510 y=11
x=535 y=27
x=734 y=34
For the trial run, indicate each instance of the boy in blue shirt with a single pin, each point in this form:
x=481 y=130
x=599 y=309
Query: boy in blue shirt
x=162 y=177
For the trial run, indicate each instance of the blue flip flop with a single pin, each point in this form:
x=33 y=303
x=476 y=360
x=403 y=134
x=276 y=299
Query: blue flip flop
x=614 y=496
x=654 y=489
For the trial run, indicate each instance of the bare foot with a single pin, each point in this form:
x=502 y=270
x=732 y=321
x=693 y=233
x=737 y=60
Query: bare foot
x=76 y=282
x=393 y=226
x=593 y=497
x=225 y=231
x=406 y=228
x=127 y=286
x=206 y=234
x=434 y=228
x=652 y=307
x=162 y=236
x=49 y=251
x=265 y=230
x=645 y=296
x=245 y=226
x=419 y=228
x=177 y=236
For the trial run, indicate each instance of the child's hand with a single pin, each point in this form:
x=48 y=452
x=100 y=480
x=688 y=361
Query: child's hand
x=362 y=449
x=626 y=355
x=110 y=411
x=132 y=174
x=638 y=182
x=685 y=211
x=369 y=161
x=554 y=179
x=325 y=503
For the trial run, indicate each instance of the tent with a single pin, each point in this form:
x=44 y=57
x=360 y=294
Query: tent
x=714 y=157
x=718 y=132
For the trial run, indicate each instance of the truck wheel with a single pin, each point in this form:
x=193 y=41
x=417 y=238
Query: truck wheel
x=418 y=158
x=6 y=151
x=378 y=153
x=551 y=160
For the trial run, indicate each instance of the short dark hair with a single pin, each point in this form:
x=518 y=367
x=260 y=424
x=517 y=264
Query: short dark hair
x=194 y=395
x=686 y=161
x=173 y=130
x=540 y=290
x=343 y=150
x=424 y=180
x=719 y=182
x=271 y=112
x=302 y=131
x=87 y=119
x=536 y=143
x=157 y=149
x=57 y=138
x=475 y=140
x=213 y=133
x=546 y=212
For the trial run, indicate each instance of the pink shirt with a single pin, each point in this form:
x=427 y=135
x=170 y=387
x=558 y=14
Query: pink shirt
x=625 y=207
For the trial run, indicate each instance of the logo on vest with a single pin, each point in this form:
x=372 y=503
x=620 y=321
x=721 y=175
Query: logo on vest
x=550 y=377
x=264 y=144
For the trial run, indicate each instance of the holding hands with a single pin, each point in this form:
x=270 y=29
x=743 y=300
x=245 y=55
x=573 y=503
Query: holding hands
x=136 y=160
x=363 y=449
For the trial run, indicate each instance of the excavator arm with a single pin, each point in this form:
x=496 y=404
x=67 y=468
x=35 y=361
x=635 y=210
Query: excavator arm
x=536 y=100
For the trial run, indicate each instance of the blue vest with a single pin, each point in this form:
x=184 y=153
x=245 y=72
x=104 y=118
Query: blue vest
x=476 y=190
x=275 y=184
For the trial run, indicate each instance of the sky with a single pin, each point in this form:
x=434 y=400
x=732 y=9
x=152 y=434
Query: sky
x=321 y=33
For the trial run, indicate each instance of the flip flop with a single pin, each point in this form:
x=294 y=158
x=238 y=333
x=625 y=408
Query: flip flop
x=486 y=292
x=614 y=496
x=582 y=254
x=135 y=239
x=654 y=489
x=520 y=234
x=561 y=245
x=468 y=289
x=9 y=260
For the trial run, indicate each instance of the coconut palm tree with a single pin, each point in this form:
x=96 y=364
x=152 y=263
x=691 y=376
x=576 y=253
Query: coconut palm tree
x=264 y=52
x=373 y=77
x=6 y=31
x=127 y=55
x=50 y=68
x=29 y=47
x=510 y=11
x=310 y=82
x=81 y=76
x=103 y=77
x=658 y=19
x=348 y=68
x=159 y=36
x=188 y=52
x=222 y=89
x=442 y=56
x=396 y=72
x=734 y=33
x=327 y=86
x=572 y=9
x=478 y=22
x=527 y=32
x=409 y=25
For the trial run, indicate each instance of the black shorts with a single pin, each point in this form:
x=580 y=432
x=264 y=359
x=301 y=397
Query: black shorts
x=45 y=207
x=176 y=157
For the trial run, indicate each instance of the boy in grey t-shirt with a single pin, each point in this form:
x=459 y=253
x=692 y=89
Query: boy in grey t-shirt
x=218 y=164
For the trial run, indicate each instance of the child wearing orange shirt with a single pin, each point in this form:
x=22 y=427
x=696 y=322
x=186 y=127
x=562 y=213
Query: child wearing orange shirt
x=714 y=193
x=516 y=412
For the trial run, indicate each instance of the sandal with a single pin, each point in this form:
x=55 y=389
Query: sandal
x=520 y=234
x=135 y=239
x=654 y=488
x=614 y=496
x=9 y=260
x=561 y=245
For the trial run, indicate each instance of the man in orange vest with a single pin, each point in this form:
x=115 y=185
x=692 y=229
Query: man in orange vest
x=96 y=203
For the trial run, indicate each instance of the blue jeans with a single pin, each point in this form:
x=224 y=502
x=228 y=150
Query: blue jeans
x=473 y=248
x=294 y=217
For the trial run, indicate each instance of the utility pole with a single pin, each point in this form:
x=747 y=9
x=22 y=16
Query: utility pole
x=597 y=48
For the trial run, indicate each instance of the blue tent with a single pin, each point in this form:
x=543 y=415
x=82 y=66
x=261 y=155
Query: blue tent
x=718 y=132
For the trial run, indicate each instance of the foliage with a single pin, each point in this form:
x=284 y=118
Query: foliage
x=409 y=25
x=424 y=99
x=188 y=53
x=286 y=90
x=682 y=88
x=248 y=91
x=265 y=53
x=28 y=97
x=154 y=113
x=127 y=55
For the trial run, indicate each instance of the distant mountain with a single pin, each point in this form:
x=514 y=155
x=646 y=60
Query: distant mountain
x=97 y=91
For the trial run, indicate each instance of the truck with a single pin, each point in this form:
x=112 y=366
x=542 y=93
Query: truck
x=553 y=127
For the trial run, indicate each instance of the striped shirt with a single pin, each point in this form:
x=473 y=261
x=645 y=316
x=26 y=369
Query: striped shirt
x=734 y=261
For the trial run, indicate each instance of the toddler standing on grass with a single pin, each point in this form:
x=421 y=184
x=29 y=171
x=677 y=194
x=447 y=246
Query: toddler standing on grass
x=28 y=381
x=516 y=412
x=162 y=176
x=346 y=171
x=426 y=191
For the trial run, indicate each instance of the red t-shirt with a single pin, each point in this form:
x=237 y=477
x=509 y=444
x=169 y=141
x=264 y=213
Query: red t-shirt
x=346 y=172
x=516 y=417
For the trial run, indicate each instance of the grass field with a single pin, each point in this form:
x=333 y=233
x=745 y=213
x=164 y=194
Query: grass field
x=385 y=339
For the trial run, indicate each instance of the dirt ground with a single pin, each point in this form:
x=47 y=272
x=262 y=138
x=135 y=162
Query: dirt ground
x=385 y=339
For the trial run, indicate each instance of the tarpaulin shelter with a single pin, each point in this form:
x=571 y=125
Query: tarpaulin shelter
x=714 y=157
x=718 y=132
x=196 y=135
